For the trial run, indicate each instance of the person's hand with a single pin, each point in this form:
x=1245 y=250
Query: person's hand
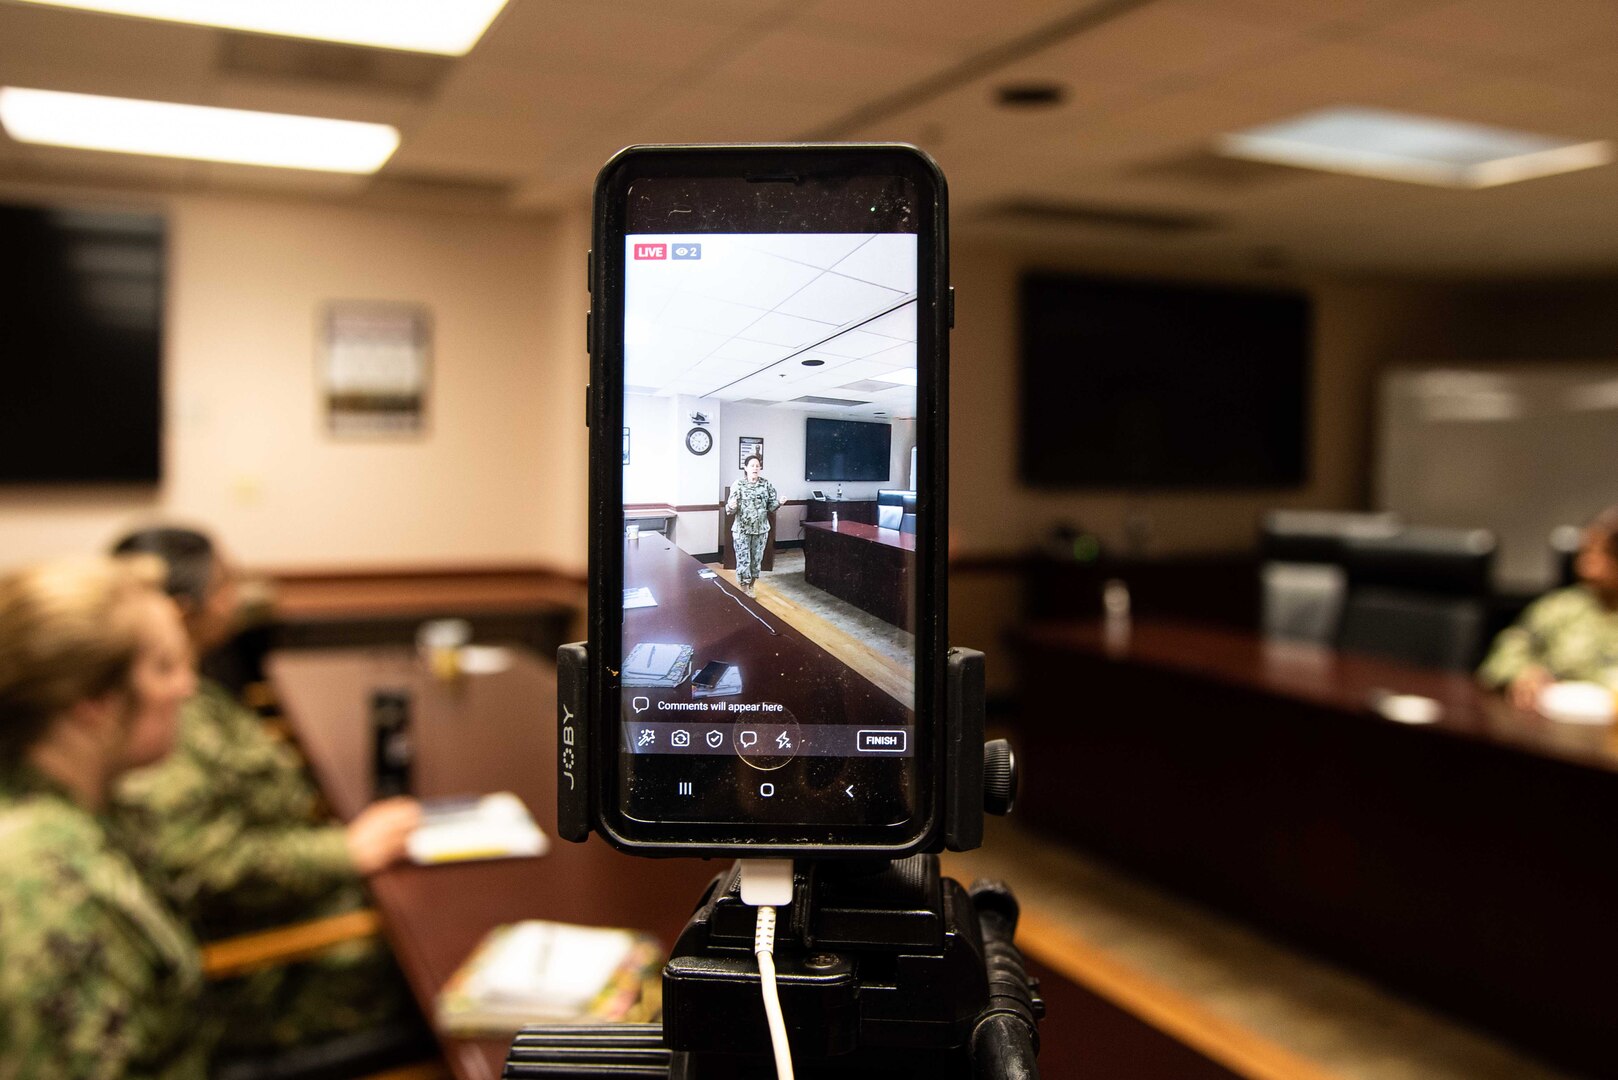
x=376 y=837
x=1524 y=689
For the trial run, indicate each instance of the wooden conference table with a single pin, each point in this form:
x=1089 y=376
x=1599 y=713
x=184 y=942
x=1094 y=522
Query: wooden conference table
x=1469 y=860
x=497 y=732
x=873 y=569
x=479 y=734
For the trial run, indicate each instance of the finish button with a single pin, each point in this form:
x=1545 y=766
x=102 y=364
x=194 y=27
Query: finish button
x=882 y=742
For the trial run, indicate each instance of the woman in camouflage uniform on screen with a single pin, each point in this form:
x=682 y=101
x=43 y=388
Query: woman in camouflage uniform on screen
x=752 y=500
x=97 y=978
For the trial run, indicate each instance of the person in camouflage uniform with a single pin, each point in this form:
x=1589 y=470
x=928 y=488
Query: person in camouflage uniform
x=1570 y=633
x=97 y=977
x=234 y=830
x=752 y=500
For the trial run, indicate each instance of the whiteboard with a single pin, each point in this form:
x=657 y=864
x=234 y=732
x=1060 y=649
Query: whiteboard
x=1519 y=448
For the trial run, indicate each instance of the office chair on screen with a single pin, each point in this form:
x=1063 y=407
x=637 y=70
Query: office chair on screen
x=1302 y=576
x=1420 y=595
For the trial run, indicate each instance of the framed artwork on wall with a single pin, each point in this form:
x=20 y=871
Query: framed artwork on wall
x=626 y=446
x=748 y=446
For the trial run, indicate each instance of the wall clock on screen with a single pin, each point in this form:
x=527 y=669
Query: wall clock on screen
x=699 y=440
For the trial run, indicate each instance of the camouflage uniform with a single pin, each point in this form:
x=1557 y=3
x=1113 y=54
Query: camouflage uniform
x=97 y=979
x=751 y=529
x=1568 y=632
x=231 y=827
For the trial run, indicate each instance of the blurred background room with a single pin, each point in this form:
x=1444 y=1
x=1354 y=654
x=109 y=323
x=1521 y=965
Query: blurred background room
x=1284 y=392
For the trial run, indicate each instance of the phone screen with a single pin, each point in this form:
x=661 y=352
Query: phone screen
x=772 y=485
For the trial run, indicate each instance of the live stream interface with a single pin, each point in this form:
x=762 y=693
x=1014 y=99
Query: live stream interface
x=769 y=490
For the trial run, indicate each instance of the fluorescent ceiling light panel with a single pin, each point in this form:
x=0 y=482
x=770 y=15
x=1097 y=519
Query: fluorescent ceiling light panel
x=164 y=129
x=1417 y=149
x=446 y=27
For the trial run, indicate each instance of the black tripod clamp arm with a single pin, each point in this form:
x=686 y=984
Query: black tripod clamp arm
x=962 y=731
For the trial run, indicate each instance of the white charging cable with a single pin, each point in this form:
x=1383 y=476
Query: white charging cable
x=767 y=885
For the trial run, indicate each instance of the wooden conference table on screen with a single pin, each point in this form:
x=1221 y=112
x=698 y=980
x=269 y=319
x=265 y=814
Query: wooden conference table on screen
x=871 y=568
x=778 y=662
x=1470 y=861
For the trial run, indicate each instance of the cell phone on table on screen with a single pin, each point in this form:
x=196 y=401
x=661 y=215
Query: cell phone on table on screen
x=784 y=307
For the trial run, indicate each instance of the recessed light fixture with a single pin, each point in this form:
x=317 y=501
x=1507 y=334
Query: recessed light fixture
x=1030 y=95
x=1417 y=149
x=813 y=363
x=204 y=133
x=446 y=27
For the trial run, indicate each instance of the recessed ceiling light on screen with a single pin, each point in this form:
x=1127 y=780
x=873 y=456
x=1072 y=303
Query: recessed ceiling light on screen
x=203 y=133
x=1416 y=149
x=445 y=27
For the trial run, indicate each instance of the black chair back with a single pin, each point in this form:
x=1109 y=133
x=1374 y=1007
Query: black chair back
x=1420 y=595
x=1302 y=577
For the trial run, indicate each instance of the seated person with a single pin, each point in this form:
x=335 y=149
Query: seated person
x=97 y=978
x=1570 y=633
x=233 y=829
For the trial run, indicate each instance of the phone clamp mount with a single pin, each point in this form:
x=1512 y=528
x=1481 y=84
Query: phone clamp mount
x=885 y=968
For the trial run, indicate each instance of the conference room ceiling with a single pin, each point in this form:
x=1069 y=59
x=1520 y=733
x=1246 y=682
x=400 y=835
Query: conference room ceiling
x=521 y=124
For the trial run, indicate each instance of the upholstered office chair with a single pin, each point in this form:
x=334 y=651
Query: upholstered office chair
x=908 y=523
x=1302 y=577
x=889 y=517
x=1420 y=595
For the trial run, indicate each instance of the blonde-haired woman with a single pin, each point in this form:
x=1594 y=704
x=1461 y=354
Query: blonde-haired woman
x=97 y=979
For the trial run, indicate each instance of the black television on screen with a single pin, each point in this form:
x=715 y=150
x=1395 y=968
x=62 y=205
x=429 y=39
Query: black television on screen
x=1130 y=384
x=841 y=450
x=81 y=346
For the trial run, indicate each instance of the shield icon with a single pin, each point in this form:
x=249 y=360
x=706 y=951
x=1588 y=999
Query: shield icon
x=715 y=738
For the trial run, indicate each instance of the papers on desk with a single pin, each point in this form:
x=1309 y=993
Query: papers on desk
x=494 y=826
x=654 y=663
x=639 y=598
x=538 y=971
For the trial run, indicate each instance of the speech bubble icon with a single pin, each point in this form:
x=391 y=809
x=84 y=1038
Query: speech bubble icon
x=640 y=704
x=748 y=738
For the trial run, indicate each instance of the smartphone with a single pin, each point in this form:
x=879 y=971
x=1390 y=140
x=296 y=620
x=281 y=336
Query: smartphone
x=767 y=321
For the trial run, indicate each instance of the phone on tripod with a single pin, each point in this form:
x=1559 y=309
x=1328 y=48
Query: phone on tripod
x=768 y=320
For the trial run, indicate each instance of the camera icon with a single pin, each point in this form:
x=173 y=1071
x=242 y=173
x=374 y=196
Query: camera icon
x=680 y=738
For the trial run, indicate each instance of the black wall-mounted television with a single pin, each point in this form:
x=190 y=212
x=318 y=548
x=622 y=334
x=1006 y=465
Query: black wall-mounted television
x=1130 y=384
x=81 y=346
x=842 y=450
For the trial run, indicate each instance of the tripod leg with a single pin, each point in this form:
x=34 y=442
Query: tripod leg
x=1005 y=1043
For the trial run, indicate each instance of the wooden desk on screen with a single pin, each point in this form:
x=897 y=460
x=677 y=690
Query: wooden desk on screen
x=483 y=733
x=873 y=569
x=1469 y=861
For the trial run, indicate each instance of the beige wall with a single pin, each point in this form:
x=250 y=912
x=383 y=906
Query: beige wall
x=499 y=475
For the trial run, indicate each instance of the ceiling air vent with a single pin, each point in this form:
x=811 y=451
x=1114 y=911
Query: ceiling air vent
x=754 y=401
x=810 y=399
x=351 y=67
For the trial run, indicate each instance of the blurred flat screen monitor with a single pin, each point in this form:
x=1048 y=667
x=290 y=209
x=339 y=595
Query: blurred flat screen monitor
x=846 y=450
x=1129 y=384
x=81 y=346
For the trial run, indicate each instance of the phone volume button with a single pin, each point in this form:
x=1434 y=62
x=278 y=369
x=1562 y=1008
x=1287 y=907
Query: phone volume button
x=952 y=307
x=589 y=270
x=589 y=335
x=589 y=403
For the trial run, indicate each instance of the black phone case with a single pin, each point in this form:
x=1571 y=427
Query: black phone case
x=604 y=408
